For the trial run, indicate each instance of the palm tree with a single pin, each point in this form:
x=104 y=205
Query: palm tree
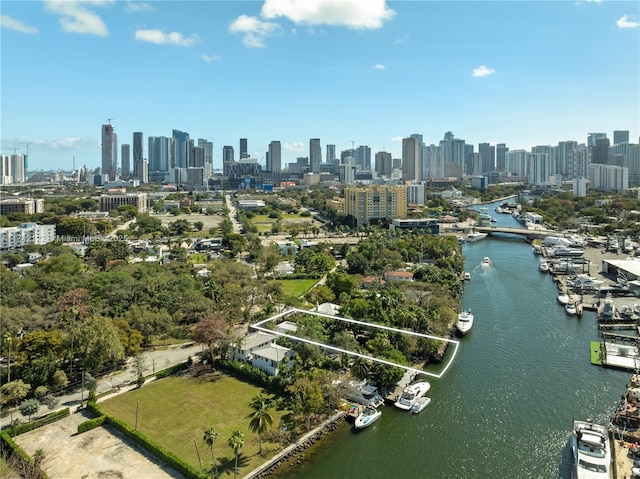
x=209 y=437
x=260 y=417
x=236 y=441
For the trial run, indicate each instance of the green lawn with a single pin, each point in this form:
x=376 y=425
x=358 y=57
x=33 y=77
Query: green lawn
x=174 y=412
x=295 y=287
x=198 y=258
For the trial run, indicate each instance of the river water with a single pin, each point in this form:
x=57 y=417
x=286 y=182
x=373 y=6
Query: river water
x=506 y=406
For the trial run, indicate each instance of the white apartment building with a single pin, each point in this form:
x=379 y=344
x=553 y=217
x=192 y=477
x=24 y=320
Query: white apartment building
x=15 y=237
x=608 y=177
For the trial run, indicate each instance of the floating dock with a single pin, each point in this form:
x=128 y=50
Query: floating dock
x=615 y=355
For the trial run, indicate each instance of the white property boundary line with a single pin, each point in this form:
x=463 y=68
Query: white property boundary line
x=455 y=343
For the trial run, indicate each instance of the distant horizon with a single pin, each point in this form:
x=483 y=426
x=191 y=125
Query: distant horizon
x=369 y=72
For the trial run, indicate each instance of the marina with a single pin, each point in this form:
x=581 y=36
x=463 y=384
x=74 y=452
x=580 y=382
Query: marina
x=510 y=399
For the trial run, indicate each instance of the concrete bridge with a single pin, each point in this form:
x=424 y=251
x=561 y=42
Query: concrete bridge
x=527 y=233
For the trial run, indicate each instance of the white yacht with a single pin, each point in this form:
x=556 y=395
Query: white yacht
x=465 y=322
x=476 y=236
x=362 y=393
x=486 y=260
x=411 y=394
x=570 y=308
x=563 y=298
x=543 y=266
x=367 y=417
x=591 y=448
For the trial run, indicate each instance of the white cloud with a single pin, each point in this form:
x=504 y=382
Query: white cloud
x=356 y=14
x=211 y=58
x=483 y=71
x=296 y=146
x=595 y=1
x=133 y=7
x=254 y=30
x=71 y=143
x=624 y=22
x=160 y=38
x=379 y=66
x=396 y=139
x=75 y=18
x=402 y=40
x=16 y=25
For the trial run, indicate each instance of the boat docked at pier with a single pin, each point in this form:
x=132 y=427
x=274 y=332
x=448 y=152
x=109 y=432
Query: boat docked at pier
x=591 y=449
x=367 y=417
x=362 y=393
x=411 y=394
x=420 y=405
x=465 y=322
x=543 y=266
x=571 y=309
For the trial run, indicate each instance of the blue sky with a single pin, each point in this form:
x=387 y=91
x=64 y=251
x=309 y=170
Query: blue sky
x=369 y=72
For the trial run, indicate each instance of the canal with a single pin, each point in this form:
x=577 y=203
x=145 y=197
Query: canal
x=505 y=408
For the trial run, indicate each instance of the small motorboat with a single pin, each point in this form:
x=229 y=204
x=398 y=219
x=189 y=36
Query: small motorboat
x=367 y=417
x=486 y=260
x=563 y=299
x=543 y=266
x=411 y=394
x=420 y=405
x=466 y=276
x=570 y=308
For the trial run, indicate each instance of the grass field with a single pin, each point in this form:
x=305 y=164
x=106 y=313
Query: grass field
x=174 y=412
x=295 y=287
x=198 y=258
x=264 y=223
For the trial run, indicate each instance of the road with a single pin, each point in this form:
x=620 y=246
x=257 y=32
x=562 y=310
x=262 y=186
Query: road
x=154 y=361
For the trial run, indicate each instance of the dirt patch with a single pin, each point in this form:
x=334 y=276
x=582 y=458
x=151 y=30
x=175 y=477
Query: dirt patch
x=101 y=453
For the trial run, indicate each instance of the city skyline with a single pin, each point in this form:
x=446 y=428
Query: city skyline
x=350 y=73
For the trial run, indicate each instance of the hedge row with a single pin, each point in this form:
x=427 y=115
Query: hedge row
x=139 y=438
x=36 y=423
x=15 y=451
x=250 y=374
x=170 y=371
x=90 y=424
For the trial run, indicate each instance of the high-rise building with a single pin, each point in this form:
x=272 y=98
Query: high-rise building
x=244 y=153
x=591 y=139
x=620 y=136
x=486 y=154
x=159 y=152
x=383 y=163
x=227 y=154
x=501 y=152
x=331 y=153
x=197 y=157
x=109 y=153
x=600 y=151
x=125 y=160
x=363 y=158
x=274 y=157
x=375 y=202
x=315 y=155
x=138 y=152
x=183 y=148
x=410 y=159
x=6 y=170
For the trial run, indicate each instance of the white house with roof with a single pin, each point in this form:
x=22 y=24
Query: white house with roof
x=261 y=351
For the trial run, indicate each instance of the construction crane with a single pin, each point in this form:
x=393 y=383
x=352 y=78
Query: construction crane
x=109 y=120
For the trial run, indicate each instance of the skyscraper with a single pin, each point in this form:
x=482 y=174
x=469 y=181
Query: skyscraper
x=315 y=155
x=138 y=152
x=125 y=160
x=363 y=158
x=227 y=154
x=183 y=148
x=410 y=159
x=274 y=158
x=331 y=153
x=243 y=148
x=109 y=152
x=501 y=151
x=487 y=157
x=208 y=152
x=383 y=163
x=159 y=151
x=620 y=136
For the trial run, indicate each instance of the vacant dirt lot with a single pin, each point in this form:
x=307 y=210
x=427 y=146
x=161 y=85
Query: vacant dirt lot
x=97 y=454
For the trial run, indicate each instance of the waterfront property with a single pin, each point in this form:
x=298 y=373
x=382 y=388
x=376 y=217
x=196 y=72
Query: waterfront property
x=261 y=351
x=292 y=311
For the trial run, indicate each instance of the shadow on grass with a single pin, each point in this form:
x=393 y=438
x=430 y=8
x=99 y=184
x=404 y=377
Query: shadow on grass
x=227 y=464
